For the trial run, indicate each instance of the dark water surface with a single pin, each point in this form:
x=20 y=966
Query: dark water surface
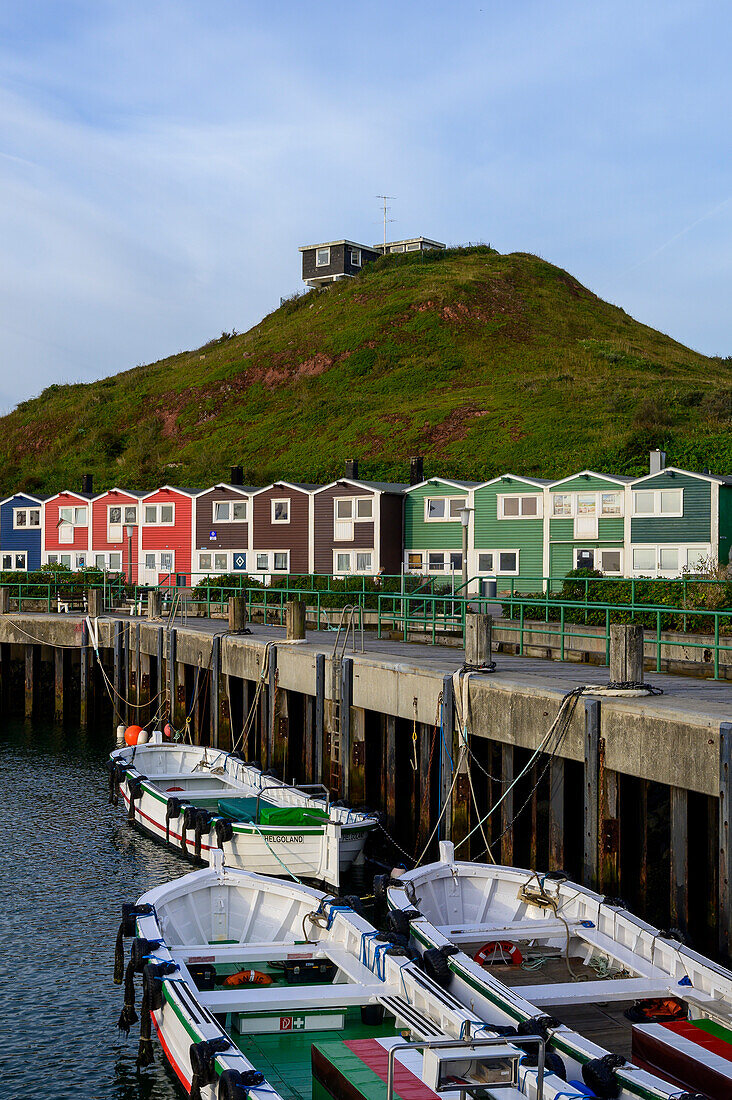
x=67 y=862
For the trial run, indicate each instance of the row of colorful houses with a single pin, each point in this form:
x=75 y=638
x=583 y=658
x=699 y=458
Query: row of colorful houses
x=518 y=529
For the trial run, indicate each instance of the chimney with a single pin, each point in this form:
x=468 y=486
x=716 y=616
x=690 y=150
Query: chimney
x=87 y=483
x=352 y=468
x=237 y=476
x=658 y=461
x=416 y=470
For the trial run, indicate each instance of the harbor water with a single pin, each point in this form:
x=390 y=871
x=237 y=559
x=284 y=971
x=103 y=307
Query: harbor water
x=67 y=862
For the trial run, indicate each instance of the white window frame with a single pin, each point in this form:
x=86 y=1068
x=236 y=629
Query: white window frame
x=230 y=505
x=158 y=522
x=610 y=515
x=318 y=261
x=413 y=554
x=343 y=526
x=274 y=568
x=657 y=513
x=447 y=498
x=106 y=555
x=684 y=549
x=598 y=559
x=496 y=552
x=273 y=504
x=562 y=515
x=520 y=497
x=355 y=257
x=352 y=556
x=54 y=557
x=14 y=555
x=27 y=526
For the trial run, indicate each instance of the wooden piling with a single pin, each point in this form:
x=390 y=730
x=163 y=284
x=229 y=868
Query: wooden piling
x=308 y=735
x=319 y=718
x=31 y=661
x=425 y=785
x=58 y=685
x=118 y=675
x=145 y=714
x=507 y=806
x=592 y=793
x=445 y=830
x=126 y=627
x=390 y=772
x=609 y=827
x=215 y=689
x=84 y=677
x=643 y=845
x=281 y=727
x=556 y=813
x=725 y=840
x=679 y=813
x=268 y=709
x=357 y=780
x=160 y=685
x=295 y=620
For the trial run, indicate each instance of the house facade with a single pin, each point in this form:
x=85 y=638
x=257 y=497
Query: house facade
x=508 y=528
x=66 y=527
x=357 y=528
x=433 y=531
x=166 y=536
x=281 y=530
x=222 y=530
x=334 y=260
x=587 y=529
x=21 y=532
x=115 y=524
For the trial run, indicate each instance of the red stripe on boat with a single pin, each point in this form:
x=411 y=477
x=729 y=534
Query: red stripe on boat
x=701 y=1038
x=166 y=1050
x=376 y=1057
x=172 y=835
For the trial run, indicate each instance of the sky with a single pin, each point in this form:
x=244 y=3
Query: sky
x=161 y=162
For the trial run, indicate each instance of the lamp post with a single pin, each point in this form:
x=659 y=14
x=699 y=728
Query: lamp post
x=465 y=520
x=129 y=530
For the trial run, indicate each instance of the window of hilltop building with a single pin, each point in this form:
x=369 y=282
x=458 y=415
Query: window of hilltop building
x=229 y=511
x=397 y=248
x=519 y=507
x=26 y=517
x=355 y=257
x=322 y=257
x=443 y=508
x=281 y=511
x=414 y=247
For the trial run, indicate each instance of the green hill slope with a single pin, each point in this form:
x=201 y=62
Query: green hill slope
x=480 y=362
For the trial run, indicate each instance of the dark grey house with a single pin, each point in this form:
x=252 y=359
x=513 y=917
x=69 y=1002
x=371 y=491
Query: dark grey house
x=326 y=263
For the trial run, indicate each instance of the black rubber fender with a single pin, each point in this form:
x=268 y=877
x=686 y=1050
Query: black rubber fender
x=600 y=1075
x=437 y=967
x=224 y=831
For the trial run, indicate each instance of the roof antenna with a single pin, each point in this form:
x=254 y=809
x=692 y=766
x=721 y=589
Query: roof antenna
x=386 y=199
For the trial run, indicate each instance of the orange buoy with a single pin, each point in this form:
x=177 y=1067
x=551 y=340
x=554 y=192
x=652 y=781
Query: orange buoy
x=167 y=731
x=248 y=977
x=132 y=734
x=502 y=951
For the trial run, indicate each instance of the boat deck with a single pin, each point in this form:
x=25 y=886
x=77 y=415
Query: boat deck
x=284 y=1057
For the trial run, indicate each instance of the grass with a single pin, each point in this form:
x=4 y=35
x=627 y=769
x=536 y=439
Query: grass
x=480 y=362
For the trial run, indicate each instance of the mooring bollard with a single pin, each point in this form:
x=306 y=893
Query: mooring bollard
x=295 y=620
x=4 y=600
x=478 y=637
x=237 y=614
x=626 y=653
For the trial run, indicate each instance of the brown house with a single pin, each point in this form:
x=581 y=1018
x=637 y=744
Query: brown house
x=357 y=527
x=281 y=518
x=221 y=530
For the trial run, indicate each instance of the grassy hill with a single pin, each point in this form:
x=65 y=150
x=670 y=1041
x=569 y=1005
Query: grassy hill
x=480 y=362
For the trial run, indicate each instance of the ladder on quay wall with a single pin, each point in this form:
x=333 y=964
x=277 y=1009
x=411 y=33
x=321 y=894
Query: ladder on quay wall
x=351 y=614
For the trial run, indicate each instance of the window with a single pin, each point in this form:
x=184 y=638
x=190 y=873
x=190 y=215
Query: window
x=397 y=248
x=456 y=561
x=115 y=562
x=658 y=502
x=159 y=513
x=415 y=560
x=76 y=516
x=80 y=561
x=611 y=561
x=348 y=509
x=442 y=508
x=263 y=562
x=100 y=561
x=204 y=562
x=561 y=504
x=281 y=511
x=668 y=559
x=26 y=517
x=227 y=511
x=584 y=559
x=221 y=562
x=610 y=504
x=485 y=563
x=111 y=562
x=16 y=562
x=435 y=561
x=514 y=507
x=166 y=561
x=644 y=559
x=355 y=257
x=363 y=561
x=343 y=563
x=344 y=508
x=412 y=247
x=130 y=513
x=322 y=257
x=59 y=559
x=281 y=561
x=508 y=561
x=149 y=561
x=696 y=558
x=586 y=504
x=114 y=514
x=364 y=508
x=66 y=533
x=498 y=561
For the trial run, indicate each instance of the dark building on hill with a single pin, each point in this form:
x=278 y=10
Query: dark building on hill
x=333 y=260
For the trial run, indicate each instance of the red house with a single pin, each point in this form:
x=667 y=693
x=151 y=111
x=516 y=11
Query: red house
x=66 y=529
x=166 y=536
x=115 y=535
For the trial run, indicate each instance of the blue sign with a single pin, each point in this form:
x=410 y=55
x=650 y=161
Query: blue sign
x=240 y=561
x=212 y=535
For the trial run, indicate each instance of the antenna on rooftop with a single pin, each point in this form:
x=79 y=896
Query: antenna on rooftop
x=386 y=199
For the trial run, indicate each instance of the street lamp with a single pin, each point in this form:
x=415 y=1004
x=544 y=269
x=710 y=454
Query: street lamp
x=465 y=520
x=129 y=531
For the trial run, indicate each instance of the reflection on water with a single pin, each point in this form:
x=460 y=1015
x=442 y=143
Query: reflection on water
x=67 y=862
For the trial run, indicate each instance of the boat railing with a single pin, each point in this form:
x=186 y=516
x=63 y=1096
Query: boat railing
x=468 y=1044
x=294 y=787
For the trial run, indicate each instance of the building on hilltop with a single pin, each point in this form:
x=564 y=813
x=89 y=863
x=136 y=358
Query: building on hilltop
x=335 y=260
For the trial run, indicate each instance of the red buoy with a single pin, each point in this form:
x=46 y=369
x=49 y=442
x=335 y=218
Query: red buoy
x=131 y=734
x=167 y=731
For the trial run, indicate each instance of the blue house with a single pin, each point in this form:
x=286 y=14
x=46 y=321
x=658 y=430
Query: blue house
x=21 y=531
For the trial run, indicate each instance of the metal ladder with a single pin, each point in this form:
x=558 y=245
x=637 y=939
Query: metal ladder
x=346 y=628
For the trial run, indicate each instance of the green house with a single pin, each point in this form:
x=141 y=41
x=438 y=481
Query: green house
x=588 y=524
x=679 y=521
x=508 y=532
x=433 y=531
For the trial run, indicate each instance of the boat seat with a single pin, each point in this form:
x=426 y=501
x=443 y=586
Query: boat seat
x=245 y=809
x=606 y=989
x=286 y=1000
x=548 y=929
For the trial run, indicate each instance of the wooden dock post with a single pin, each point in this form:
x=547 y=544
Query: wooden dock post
x=126 y=628
x=626 y=653
x=84 y=677
x=31 y=665
x=424 y=816
x=295 y=620
x=448 y=726
x=357 y=782
x=4 y=600
x=118 y=675
x=58 y=685
x=281 y=739
x=94 y=602
x=592 y=793
x=237 y=614
x=154 y=604
x=390 y=761
x=215 y=689
x=725 y=840
x=160 y=684
x=319 y=718
x=643 y=845
x=145 y=714
x=478 y=638
x=268 y=709
x=679 y=809
x=507 y=775
x=171 y=670
x=609 y=827
x=308 y=734
x=346 y=702
x=556 y=813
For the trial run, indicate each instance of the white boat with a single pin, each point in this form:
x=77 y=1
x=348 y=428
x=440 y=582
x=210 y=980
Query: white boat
x=199 y=799
x=261 y=985
x=517 y=945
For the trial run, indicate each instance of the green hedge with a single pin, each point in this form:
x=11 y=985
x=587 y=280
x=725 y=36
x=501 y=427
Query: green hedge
x=66 y=583
x=336 y=592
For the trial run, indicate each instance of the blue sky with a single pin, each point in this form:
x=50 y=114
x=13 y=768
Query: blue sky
x=161 y=162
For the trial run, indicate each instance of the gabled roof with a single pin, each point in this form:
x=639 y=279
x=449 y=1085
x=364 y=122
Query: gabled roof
x=72 y=493
x=466 y=485
x=372 y=486
x=719 y=479
x=298 y=486
x=171 y=489
x=27 y=496
x=618 y=479
x=244 y=490
x=139 y=493
x=536 y=482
